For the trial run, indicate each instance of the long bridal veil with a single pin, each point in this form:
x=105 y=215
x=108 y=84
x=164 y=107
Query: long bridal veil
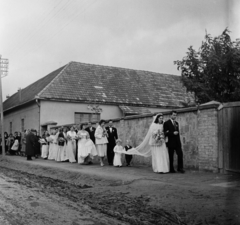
x=144 y=149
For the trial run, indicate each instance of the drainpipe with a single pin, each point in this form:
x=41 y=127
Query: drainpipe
x=39 y=127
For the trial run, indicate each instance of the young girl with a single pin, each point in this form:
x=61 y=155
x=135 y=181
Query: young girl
x=45 y=146
x=118 y=150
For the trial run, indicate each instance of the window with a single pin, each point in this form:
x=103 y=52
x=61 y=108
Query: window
x=10 y=129
x=22 y=125
x=86 y=117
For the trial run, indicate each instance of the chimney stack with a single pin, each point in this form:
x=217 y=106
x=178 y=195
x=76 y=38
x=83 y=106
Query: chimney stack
x=8 y=96
x=20 y=94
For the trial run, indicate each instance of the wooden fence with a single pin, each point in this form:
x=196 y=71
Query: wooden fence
x=229 y=137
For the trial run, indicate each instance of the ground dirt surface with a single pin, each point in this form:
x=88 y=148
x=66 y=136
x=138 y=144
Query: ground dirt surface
x=40 y=192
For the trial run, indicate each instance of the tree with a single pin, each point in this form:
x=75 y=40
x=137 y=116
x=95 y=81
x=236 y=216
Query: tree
x=213 y=72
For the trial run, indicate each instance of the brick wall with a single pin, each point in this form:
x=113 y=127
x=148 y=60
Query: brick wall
x=208 y=139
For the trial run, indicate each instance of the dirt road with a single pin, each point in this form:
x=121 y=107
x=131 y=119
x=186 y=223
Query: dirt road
x=38 y=196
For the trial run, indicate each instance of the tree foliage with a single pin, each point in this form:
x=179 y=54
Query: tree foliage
x=213 y=72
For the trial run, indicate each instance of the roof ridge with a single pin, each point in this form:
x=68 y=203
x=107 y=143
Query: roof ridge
x=155 y=73
x=38 y=95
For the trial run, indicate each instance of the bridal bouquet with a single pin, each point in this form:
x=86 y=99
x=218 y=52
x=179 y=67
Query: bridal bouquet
x=159 y=137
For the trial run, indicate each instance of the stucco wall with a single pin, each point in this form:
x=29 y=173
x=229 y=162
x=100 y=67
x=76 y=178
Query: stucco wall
x=30 y=114
x=63 y=112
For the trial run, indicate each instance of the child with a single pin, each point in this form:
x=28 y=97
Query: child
x=118 y=149
x=128 y=157
x=45 y=146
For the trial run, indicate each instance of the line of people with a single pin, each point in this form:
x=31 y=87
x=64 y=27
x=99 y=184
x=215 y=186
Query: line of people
x=80 y=145
x=15 y=143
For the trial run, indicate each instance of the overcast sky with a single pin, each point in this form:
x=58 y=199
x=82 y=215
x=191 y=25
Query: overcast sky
x=39 y=36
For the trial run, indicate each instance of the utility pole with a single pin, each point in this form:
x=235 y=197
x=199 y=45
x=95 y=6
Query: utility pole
x=3 y=73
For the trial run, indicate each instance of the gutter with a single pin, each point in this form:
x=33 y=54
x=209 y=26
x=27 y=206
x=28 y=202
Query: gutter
x=39 y=126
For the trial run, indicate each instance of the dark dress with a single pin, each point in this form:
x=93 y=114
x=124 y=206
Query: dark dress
x=10 y=144
x=112 y=137
x=37 y=145
x=30 y=142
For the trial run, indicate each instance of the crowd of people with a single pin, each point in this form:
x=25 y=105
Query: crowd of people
x=80 y=144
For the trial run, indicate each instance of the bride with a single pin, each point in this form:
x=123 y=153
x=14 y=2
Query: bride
x=154 y=144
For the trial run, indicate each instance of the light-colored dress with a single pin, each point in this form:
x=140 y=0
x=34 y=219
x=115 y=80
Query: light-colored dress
x=160 y=157
x=45 y=148
x=52 y=147
x=64 y=152
x=61 y=152
x=85 y=146
x=101 y=142
x=117 y=161
x=71 y=146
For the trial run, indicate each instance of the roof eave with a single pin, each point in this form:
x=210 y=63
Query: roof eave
x=16 y=106
x=108 y=103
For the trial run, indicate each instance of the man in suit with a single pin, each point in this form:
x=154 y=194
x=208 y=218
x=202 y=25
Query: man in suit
x=112 y=137
x=91 y=130
x=30 y=145
x=171 y=129
x=128 y=157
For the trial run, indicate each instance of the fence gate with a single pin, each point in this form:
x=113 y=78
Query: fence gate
x=229 y=137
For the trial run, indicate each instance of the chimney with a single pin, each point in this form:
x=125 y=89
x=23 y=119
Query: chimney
x=8 y=96
x=20 y=94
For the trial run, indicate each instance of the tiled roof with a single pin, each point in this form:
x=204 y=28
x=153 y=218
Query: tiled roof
x=131 y=110
x=29 y=93
x=80 y=82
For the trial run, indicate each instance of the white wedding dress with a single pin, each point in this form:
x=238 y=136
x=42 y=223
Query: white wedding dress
x=160 y=157
x=148 y=147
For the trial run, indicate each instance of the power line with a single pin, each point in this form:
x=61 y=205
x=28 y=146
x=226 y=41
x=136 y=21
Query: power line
x=42 y=23
x=73 y=17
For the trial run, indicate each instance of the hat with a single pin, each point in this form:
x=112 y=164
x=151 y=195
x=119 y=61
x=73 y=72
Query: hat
x=118 y=140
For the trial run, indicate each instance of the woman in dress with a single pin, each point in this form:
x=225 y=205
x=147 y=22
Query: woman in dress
x=154 y=144
x=45 y=147
x=86 y=147
x=101 y=141
x=10 y=142
x=6 y=138
x=15 y=146
x=52 y=146
x=64 y=152
x=61 y=145
x=23 y=149
x=71 y=144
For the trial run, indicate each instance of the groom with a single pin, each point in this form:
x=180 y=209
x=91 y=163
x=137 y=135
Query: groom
x=171 y=129
x=112 y=137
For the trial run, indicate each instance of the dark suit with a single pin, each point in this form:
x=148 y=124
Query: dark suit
x=30 y=145
x=128 y=157
x=112 y=137
x=174 y=143
x=91 y=133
